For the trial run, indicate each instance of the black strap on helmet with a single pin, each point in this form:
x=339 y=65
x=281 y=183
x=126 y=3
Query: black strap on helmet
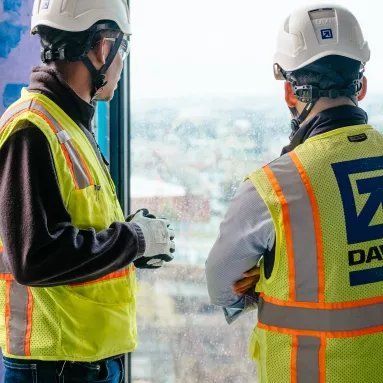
x=61 y=49
x=98 y=76
x=310 y=95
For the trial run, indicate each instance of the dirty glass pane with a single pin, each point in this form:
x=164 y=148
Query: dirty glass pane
x=206 y=111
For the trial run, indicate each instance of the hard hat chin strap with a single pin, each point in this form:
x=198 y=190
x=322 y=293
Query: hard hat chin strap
x=99 y=81
x=299 y=118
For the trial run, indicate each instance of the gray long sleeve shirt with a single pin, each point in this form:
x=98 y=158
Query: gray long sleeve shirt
x=247 y=231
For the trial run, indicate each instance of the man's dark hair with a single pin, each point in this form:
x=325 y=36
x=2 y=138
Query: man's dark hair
x=76 y=44
x=328 y=72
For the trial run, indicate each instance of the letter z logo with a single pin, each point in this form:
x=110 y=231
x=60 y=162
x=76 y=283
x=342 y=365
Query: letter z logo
x=359 y=225
x=45 y=4
x=326 y=34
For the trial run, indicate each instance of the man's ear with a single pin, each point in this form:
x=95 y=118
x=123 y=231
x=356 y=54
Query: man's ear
x=290 y=98
x=364 y=89
x=101 y=51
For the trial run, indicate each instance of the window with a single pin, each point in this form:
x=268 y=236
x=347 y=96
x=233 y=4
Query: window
x=206 y=111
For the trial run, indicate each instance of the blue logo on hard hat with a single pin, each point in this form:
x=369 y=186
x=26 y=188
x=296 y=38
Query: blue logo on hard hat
x=326 y=34
x=45 y=4
x=362 y=198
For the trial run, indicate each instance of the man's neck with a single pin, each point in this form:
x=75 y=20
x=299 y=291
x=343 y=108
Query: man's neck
x=77 y=77
x=324 y=104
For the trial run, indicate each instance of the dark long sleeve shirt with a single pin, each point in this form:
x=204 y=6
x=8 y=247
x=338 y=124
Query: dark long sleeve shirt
x=41 y=247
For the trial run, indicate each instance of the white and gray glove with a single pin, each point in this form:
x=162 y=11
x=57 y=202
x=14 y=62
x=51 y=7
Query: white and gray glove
x=159 y=240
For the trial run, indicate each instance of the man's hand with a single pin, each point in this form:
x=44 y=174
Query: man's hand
x=159 y=240
x=249 y=281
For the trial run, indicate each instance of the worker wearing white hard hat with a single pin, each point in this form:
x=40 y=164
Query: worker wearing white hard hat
x=68 y=254
x=69 y=28
x=309 y=35
x=302 y=238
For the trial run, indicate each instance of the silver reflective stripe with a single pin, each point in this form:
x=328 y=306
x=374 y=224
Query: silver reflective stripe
x=308 y=359
x=63 y=136
x=78 y=169
x=37 y=106
x=12 y=112
x=302 y=227
x=18 y=320
x=80 y=174
x=3 y=268
x=332 y=320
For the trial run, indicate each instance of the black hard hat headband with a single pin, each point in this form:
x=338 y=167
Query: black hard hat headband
x=310 y=94
x=69 y=46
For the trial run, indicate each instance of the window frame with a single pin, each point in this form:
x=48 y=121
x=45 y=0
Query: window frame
x=120 y=152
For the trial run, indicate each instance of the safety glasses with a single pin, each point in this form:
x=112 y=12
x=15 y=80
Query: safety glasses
x=124 y=49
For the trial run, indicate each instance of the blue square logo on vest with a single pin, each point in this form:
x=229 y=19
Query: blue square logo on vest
x=363 y=223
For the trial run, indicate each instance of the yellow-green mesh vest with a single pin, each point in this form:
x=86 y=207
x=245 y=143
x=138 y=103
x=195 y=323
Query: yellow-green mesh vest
x=321 y=311
x=86 y=322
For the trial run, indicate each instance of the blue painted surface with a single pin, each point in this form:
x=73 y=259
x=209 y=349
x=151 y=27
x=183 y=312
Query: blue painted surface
x=10 y=37
x=102 y=127
x=12 y=93
x=18 y=53
x=13 y=6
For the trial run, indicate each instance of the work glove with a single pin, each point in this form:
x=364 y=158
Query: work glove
x=145 y=213
x=159 y=240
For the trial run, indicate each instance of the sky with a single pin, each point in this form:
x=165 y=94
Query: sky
x=199 y=48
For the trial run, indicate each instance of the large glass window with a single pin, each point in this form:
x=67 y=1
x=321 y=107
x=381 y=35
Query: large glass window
x=206 y=111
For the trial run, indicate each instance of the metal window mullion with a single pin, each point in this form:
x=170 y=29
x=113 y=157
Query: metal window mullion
x=119 y=139
x=120 y=127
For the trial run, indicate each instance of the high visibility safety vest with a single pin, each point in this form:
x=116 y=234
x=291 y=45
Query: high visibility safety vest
x=320 y=315
x=83 y=322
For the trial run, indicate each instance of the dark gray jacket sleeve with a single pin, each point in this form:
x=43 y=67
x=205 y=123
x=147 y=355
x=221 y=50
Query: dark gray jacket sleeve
x=42 y=248
x=246 y=233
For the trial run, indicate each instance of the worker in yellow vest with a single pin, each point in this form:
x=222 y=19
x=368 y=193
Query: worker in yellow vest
x=67 y=253
x=312 y=218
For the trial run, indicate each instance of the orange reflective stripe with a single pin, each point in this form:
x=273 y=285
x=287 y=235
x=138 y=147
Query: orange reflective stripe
x=288 y=231
x=293 y=367
x=81 y=158
x=325 y=306
x=7 y=277
x=70 y=164
x=45 y=118
x=322 y=359
x=28 y=333
x=7 y=313
x=326 y=334
x=317 y=224
x=84 y=165
x=8 y=117
x=117 y=274
x=66 y=150
x=77 y=165
x=14 y=106
x=1 y=249
x=10 y=120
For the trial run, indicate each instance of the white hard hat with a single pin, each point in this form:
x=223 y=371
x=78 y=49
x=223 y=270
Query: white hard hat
x=80 y=15
x=317 y=31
